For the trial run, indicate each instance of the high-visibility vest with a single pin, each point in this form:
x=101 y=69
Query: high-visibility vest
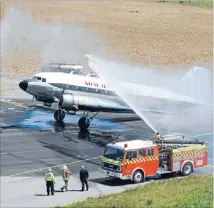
x=65 y=174
x=49 y=177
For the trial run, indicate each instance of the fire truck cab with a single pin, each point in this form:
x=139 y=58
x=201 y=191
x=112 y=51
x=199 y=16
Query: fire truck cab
x=135 y=160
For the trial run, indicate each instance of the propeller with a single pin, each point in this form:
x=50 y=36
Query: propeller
x=61 y=97
x=62 y=94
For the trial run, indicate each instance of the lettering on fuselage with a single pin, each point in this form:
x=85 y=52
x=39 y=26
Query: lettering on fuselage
x=88 y=83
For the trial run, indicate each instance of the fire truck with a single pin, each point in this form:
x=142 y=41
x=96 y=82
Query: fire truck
x=137 y=159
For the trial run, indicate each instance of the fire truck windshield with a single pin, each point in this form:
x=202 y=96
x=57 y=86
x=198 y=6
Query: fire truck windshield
x=113 y=153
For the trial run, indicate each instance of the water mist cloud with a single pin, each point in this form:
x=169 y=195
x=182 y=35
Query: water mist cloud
x=182 y=115
x=56 y=41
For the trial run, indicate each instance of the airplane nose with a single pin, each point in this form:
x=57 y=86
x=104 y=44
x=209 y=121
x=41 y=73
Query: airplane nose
x=23 y=85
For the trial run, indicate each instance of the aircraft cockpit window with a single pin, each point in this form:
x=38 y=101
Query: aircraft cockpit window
x=38 y=78
x=43 y=80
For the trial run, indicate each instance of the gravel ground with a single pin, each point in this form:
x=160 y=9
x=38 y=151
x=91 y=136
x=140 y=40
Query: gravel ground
x=158 y=34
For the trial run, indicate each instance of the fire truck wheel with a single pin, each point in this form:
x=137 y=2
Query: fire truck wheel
x=138 y=176
x=187 y=169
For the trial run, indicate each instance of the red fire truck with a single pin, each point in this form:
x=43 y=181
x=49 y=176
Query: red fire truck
x=135 y=160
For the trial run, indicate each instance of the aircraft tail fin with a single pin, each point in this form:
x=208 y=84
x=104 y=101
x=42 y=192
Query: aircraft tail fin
x=198 y=82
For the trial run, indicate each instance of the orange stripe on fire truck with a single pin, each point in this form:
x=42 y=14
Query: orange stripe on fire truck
x=145 y=159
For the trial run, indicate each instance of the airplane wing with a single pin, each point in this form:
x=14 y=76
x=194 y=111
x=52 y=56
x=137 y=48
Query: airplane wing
x=109 y=104
x=116 y=108
x=102 y=108
x=120 y=104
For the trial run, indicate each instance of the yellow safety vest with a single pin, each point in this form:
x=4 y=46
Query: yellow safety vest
x=49 y=177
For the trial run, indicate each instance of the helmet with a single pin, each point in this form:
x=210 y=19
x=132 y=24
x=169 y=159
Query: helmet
x=49 y=170
x=64 y=167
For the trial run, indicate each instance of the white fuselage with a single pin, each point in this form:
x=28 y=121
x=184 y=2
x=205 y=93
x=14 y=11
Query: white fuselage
x=48 y=86
x=91 y=91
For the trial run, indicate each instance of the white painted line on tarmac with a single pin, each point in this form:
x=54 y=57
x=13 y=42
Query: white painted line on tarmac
x=36 y=170
x=29 y=151
x=16 y=162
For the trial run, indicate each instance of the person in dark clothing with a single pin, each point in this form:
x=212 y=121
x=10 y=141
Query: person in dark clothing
x=84 y=178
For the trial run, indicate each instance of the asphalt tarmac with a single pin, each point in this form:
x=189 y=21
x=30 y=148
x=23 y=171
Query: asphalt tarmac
x=31 y=142
x=31 y=139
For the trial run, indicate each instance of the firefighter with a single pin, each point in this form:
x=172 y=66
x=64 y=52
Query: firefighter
x=84 y=178
x=156 y=137
x=50 y=181
x=65 y=176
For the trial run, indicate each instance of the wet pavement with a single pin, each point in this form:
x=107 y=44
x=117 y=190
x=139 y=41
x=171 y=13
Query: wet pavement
x=31 y=139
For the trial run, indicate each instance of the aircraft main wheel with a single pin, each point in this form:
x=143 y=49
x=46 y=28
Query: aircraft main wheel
x=84 y=123
x=59 y=115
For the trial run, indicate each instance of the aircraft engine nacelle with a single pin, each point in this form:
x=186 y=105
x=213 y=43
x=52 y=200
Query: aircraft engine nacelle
x=45 y=100
x=67 y=102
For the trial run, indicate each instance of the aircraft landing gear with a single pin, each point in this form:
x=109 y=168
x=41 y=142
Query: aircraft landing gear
x=84 y=122
x=59 y=115
x=47 y=104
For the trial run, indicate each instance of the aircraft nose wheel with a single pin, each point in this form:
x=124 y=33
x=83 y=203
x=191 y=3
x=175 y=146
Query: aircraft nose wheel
x=84 y=123
x=59 y=115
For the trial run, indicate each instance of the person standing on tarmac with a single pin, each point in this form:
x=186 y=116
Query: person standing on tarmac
x=84 y=178
x=50 y=181
x=65 y=176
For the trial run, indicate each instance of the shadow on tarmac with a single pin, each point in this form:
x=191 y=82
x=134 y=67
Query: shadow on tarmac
x=109 y=181
x=40 y=195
